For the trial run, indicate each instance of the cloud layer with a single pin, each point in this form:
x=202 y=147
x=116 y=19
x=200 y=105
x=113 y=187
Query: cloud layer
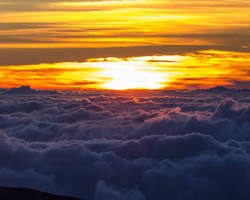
x=114 y=23
x=101 y=145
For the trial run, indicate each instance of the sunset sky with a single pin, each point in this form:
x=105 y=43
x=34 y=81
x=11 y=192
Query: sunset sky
x=125 y=99
x=129 y=44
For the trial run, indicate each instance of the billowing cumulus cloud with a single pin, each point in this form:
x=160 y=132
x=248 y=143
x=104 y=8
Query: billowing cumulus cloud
x=139 y=145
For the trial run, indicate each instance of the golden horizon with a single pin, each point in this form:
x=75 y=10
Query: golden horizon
x=193 y=70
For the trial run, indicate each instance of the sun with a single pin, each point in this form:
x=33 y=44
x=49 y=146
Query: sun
x=130 y=75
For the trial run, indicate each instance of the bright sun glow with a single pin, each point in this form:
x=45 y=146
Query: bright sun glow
x=123 y=76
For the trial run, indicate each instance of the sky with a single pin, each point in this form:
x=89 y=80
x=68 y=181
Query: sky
x=75 y=44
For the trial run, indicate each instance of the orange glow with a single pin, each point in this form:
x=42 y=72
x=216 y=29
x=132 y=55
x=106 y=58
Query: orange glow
x=202 y=69
x=125 y=23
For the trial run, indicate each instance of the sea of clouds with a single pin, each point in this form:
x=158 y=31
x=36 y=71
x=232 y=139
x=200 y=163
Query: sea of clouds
x=137 y=145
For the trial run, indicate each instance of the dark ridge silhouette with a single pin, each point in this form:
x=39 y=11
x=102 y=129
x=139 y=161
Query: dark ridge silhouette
x=27 y=90
x=218 y=89
x=221 y=89
x=9 y=193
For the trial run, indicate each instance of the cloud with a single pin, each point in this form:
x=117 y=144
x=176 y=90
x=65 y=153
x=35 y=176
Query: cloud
x=6 y=108
x=170 y=147
x=104 y=192
x=135 y=145
x=205 y=177
x=50 y=55
x=82 y=114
